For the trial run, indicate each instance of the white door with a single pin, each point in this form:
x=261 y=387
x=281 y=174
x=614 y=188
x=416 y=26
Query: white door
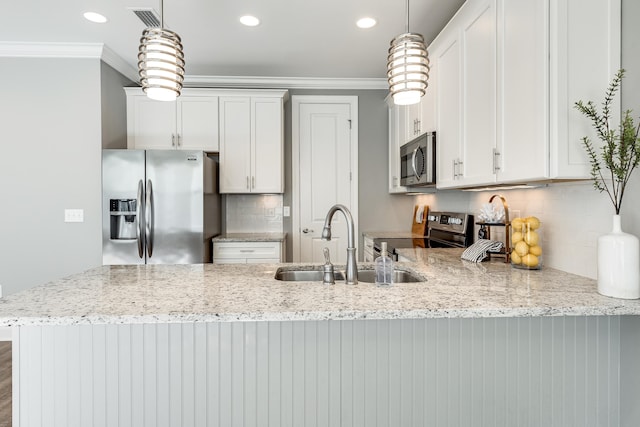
x=325 y=160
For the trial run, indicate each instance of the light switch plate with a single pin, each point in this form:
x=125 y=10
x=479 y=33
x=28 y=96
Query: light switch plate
x=74 y=215
x=286 y=211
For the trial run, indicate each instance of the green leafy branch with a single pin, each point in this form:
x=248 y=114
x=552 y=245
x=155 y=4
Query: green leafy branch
x=620 y=152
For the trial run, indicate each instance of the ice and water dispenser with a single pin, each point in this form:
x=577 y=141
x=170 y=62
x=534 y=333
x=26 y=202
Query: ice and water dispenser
x=123 y=219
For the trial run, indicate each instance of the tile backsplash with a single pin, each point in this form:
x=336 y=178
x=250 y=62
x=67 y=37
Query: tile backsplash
x=254 y=213
x=573 y=216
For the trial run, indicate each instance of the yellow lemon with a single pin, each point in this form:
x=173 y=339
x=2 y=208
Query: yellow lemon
x=515 y=258
x=521 y=248
x=530 y=260
x=517 y=237
x=531 y=238
x=535 y=250
x=533 y=222
x=516 y=224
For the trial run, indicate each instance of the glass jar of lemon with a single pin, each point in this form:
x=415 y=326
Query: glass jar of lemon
x=526 y=251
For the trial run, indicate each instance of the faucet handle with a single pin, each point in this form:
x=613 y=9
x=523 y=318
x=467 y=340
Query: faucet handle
x=325 y=251
x=327 y=277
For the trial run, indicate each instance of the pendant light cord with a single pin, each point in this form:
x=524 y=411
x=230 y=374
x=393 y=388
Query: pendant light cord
x=162 y=13
x=407 y=21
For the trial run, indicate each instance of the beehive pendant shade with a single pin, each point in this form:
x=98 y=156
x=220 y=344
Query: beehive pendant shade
x=407 y=67
x=161 y=62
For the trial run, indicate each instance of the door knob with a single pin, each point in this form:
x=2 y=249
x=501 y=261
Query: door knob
x=306 y=230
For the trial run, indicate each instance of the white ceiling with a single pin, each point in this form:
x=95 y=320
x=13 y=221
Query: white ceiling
x=296 y=38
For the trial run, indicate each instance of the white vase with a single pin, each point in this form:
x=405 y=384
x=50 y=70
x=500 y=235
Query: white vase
x=618 y=263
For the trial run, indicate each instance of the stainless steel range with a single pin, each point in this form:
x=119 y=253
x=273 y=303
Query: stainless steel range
x=444 y=230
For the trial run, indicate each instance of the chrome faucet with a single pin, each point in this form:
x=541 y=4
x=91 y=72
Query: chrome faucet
x=351 y=275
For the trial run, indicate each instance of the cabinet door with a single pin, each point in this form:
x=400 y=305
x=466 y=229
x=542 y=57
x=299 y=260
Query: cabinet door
x=428 y=102
x=447 y=52
x=197 y=122
x=150 y=124
x=267 y=145
x=479 y=92
x=235 y=144
x=394 y=148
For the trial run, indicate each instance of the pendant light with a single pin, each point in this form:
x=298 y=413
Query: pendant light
x=161 y=62
x=407 y=67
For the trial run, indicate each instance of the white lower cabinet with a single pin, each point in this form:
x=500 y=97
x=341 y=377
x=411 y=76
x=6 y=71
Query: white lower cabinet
x=247 y=252
x=509 y=73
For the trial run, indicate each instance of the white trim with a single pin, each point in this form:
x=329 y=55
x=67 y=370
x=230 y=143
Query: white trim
x=69 y=50
x=286 y=82
x=296 y=100
x=119 y=64
x=99 y=50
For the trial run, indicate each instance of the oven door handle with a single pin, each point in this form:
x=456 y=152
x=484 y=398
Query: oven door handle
x=445 y=242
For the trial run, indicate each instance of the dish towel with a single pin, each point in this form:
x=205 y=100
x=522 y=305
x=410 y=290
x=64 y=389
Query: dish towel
x=478 y=251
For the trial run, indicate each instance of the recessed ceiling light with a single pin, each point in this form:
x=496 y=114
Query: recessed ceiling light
x=249 y=21
x=95 y=17
x=366 y=22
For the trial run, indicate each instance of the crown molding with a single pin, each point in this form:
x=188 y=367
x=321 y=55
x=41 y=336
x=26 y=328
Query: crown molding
x=68 y=50
x=50 y=50
x=100 y=51
x=285 y=82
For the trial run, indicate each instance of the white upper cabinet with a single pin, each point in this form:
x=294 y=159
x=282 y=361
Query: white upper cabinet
x=252 y=144
x=190 y=122
x=509 y=73
x=396 y=136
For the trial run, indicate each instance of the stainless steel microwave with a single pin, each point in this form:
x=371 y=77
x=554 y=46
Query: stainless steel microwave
x=418 y=161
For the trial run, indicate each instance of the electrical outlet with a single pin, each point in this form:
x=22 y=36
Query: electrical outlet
x=286 y=211
x=74 y=215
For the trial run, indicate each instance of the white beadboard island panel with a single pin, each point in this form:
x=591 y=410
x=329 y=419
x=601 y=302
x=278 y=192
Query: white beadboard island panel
x=550 y=371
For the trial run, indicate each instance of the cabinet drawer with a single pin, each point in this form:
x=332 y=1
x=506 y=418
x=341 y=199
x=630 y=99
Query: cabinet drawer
x=248 y=250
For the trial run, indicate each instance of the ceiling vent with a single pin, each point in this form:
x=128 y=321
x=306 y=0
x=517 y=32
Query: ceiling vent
x=148 y=16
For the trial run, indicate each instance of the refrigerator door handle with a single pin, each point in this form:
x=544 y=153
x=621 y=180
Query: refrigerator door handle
x=139 y=209
x=149 y=219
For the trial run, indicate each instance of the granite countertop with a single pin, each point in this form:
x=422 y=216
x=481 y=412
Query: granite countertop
x=251 y=237
x=245 y=292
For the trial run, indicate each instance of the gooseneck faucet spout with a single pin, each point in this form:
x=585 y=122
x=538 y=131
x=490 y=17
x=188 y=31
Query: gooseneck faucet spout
x=351 y=275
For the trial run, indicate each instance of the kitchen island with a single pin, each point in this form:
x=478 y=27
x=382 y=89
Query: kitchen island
x=473 y=344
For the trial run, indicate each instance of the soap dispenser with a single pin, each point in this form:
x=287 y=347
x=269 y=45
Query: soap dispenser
x=384 y=268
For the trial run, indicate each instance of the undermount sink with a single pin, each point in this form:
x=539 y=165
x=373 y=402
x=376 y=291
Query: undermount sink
x=315 y=275
x=304 y=275
x=399 y=276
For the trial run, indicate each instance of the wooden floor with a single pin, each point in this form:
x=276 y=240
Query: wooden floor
x=5 y=384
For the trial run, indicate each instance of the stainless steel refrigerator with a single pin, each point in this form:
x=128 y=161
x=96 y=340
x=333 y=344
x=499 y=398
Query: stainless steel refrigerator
x=159 y=206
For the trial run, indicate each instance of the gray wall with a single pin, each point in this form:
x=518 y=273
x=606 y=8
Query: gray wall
x=53 y=124
x=378 y=210
x=50 y=161
x=113 y=99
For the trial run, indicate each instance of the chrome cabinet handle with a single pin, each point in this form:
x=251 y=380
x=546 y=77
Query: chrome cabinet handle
x=460 y=174
x=140 y=227
x=247 y=250
x=306 y=231
x=149 y=217
x=253 y=182
x=179 y=140
x=173 y=140
x=496 y=163
x=247 y=183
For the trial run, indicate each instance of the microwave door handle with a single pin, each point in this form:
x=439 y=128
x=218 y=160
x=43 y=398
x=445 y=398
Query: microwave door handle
x=413 y=163
x=139 y=210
